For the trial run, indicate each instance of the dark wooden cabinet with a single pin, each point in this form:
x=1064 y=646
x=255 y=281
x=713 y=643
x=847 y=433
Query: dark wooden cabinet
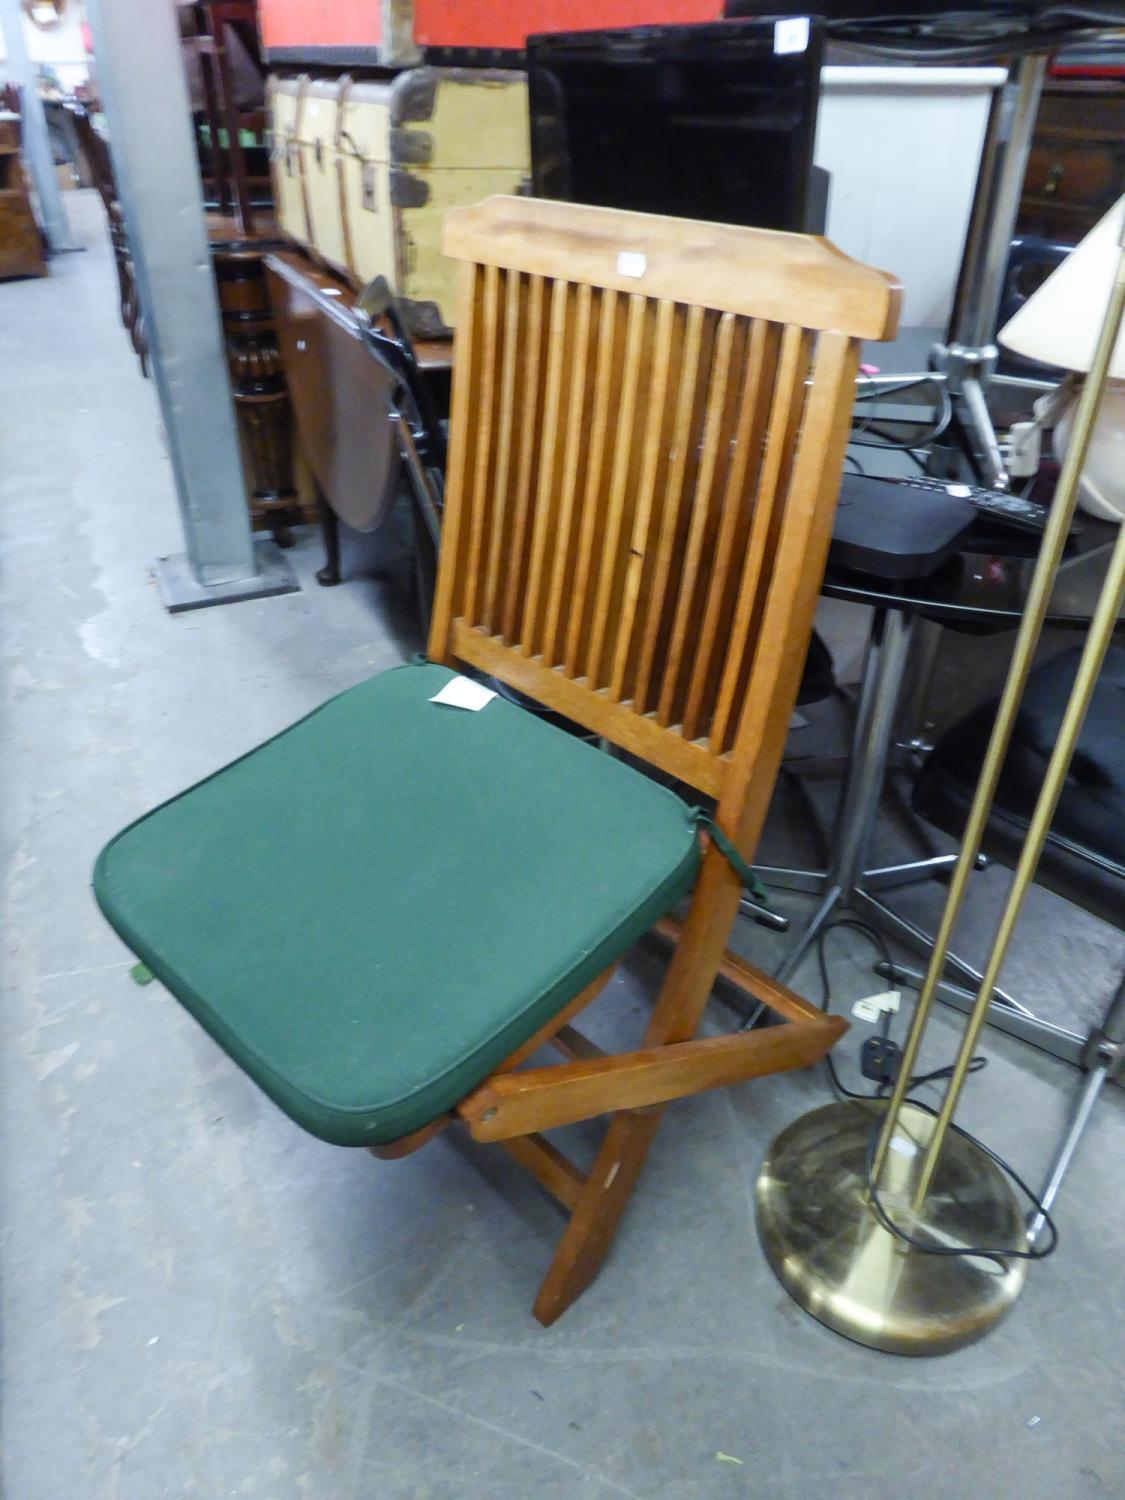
x=21 y=244
x=261 y=396
x=1076 y=171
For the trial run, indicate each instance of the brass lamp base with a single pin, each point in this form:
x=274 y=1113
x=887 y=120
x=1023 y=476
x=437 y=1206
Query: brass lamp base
x=827 y=1246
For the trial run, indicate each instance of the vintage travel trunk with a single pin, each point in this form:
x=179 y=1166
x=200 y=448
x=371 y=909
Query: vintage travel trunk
x=285 y=99
x=364 y=171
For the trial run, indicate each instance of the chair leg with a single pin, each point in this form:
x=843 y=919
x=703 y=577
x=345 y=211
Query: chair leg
x=601 y=1203
x=329 y=575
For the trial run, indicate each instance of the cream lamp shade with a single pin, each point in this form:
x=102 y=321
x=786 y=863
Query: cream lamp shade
x=1058 y=325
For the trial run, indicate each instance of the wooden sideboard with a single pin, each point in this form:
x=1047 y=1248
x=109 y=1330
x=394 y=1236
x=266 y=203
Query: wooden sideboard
x=278 y=498
x=21 y=244
x=1076 y=170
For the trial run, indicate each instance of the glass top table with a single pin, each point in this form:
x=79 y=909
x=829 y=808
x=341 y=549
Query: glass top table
x=986 y=586
x=982 y=590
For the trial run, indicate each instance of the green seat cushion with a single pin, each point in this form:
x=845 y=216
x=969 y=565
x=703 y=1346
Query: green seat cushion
x=373 y=910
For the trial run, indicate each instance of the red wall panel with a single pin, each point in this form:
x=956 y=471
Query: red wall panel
x=464 y=23
x=320 y=23
x=508 y=23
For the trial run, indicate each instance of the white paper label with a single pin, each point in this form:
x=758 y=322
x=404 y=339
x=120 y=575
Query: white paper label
x=887 y=1000
x=631 y=263
x=463 y=692
x=791 y=35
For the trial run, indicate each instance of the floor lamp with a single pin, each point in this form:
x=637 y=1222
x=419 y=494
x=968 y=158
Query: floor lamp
x=1057 y=325
x=883 y=1219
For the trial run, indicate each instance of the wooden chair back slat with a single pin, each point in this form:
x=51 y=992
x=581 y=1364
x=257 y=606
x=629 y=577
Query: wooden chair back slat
x=515 y=369
x=563 y=564
x=743 y=465
x=606 y=385
x=616 y=509
x=657 y=378
x=513 y=565
x=647 y=442
x=779 y=439
x=545 y=515
x=667 y=532
x=492 y=356
x=703 y=523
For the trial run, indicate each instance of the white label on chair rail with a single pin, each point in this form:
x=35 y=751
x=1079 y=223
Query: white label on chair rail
x=463 y=692
x=631 y=263
x=791 y=35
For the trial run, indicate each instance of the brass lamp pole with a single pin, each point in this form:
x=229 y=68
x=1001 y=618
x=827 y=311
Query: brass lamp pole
x=823 y=1230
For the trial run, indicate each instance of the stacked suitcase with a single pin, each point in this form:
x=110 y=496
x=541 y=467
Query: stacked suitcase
x=365 y=170
x=365 y=167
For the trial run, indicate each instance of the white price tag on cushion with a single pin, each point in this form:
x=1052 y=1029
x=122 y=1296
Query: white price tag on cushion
x=463 y=692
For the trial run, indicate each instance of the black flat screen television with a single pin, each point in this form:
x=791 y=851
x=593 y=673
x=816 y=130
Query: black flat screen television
x=701 y=122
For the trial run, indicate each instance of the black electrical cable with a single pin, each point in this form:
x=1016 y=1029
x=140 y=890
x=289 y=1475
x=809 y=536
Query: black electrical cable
x=981 y=1252
x=867 y=396
x=919 y=455
x=945 y=416
x=927 y=39
x=917 y=448
x=875 y=937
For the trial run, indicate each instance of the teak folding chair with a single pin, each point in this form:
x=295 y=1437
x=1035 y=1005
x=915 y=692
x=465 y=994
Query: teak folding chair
x=648 y=430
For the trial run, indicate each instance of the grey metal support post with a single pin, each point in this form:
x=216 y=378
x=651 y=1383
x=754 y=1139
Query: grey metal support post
x=36 y=138
x=145 y=97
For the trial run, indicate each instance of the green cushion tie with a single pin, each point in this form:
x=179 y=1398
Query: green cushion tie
x=740 y=867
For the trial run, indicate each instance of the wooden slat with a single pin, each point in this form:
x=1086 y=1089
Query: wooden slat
x=717 y=400
x=545 y=513
x=607 y=386
x=562 y=569
x=516 y=1104
x=515 y=563
x=734 y=525
x=609 y=542
x=641 y=735
x=547 y=1164
x=667 y=532
x=654 y=453
x=486 y=402
x=573 y=1044
x=461 y=462
x=784 y=416
x=515 y=359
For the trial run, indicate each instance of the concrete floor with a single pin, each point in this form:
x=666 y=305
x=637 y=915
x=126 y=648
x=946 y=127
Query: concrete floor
x=199 y=1300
